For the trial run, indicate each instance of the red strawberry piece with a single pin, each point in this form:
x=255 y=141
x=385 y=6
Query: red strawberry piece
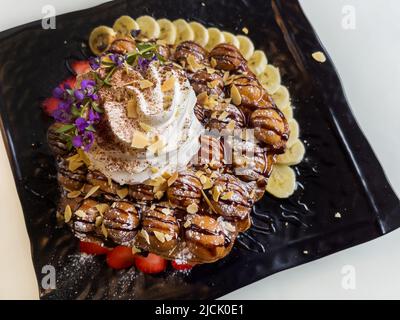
x=177 y=265
x=92 y=248
x=150 y=264
x=71 y=81
x=120 y=258
x=50 y=105
x=80 y=66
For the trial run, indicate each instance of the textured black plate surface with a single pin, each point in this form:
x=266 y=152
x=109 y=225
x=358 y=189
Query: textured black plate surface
x=340 y=173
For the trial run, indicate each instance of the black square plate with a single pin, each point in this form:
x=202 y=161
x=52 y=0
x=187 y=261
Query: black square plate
x=340 y=173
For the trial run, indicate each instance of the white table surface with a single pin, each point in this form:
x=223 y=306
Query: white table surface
x=367 y=59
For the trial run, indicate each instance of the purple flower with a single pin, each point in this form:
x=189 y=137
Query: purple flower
x=144 y=63
x=79 y=95
x=93 y=116
x=117 y=59
x=58 y=93
x=81 y=124
x=63 y=112
x=94 y=63
x=77 y=141
x=88 y=84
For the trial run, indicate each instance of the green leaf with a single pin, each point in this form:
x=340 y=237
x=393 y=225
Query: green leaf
x=65 y=128
x=91 y=128
x=75 y=111
x=97 y=108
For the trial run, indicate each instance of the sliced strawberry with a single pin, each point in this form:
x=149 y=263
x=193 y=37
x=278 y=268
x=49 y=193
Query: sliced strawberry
x=92 y=248
x=80 y=66
x=150 y=264
x=177 y=265
x=120 y=258
x=50 y=105
x=71 y=81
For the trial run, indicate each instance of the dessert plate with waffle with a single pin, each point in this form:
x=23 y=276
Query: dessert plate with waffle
x=179 y=158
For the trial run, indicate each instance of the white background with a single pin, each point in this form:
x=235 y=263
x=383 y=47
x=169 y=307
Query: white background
x=367 y=59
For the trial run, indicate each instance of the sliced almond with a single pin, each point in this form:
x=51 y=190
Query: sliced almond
x=211 y=70
x=80 y=213
x=235 y=95
x=231 y=125
x=74 y=165
x=145 y=127
x=154 y=169
x=159 y=194
x=202 y=98
x=187 y=224
x=168 y=84
x=245 y=30
x=104 y=231
x=215 y=194
x=168 y=237
x=145 y=235
x=140 y=140
x=99 y=221
x=102 y=207
x=131 y=109
x=172 y=179
x=213 y=62
x=213 y=84
x=67 y=214
x=193 y=208
x=135 y=250
x=223 y=116
x=92 y=191
x=73 y=194
x=122 y=193
x=156 y=182
x=227 y=195
x=193 y=64
x=166 y=211
x=228 y=226
x=319 y=56
x=84 y=157
x=160 y=236
x=199 y=173
x=157 y=146
x=208 y=202
x=145 y=84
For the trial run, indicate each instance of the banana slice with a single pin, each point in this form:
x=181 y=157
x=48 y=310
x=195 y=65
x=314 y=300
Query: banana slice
x=215 y=38
x=282 y=182
x=288 y=112
x=184 y=31
x=294 y=132
x=293 y=155
x=258 y=62
x=231 y=39
x=149 y=27
x=246 y=46
x=270 y=78
x=200 y=33
x=281 y=97
x=124 y=25
x=167 y=31
x=100 y=39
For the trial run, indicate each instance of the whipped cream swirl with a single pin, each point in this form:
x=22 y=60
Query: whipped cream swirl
x=149 y=126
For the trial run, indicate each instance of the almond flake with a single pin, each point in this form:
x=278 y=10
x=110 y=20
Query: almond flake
x=231 y=125
x=135 y=250
x=230 y=227
x=140 y=140
x=166 y=211
x=159 y=194
x=319 y=56
x=245 y=30
x=202 y=98
x=172 y=179
x=73 y=194
x=84 y=157
x=210 y=70
x=187 y=224
x=145 y=235
x=67 y=214
x=144 y=84
x=226 y=76
x=145 y=126
x=102 y=207
x=156 y=182
x=227 y=195
x=131 y=109
x=160 y=236
x=154 y=169
x=80 y=213
x=104 y=231
x=208 y=202
x=212 y=84
x=166 y=175
x=215 y=194
x=99 y=221
x=199 y=173
x=75 y=157
x=193 y=208
x=213 y=62
x=168 y=237
x=74 y=165
x=91 y=191
x=214 y=175
x=168 y=84
x=122 y=193
x=157 y=146
x=223 y=116
x=235 y=95
x=193 y=64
